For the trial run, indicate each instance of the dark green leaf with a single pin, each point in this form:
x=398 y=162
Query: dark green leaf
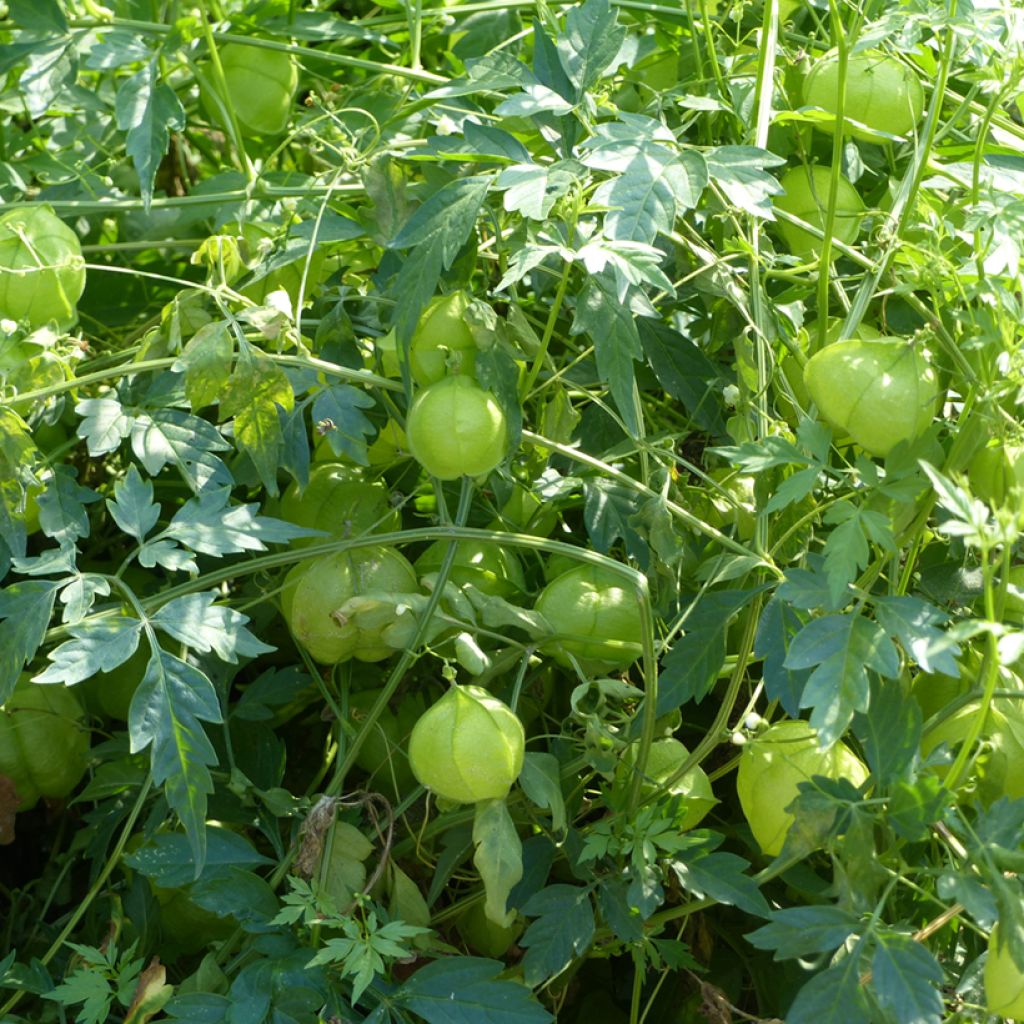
x=338 y=416
x=891 y=733
x=62 y=506
x=167 y=710
x=167 y=857
x=809 y=589
x=26 y=608
x=456 y=843
x=914 y=807
x=611 y=325
x=200 y=1008
x=547 y=66
x=435 y=233
x=540 y=780
x=914 y=623
x=498 y=857
x=675 y=954
x=231 y=891
x=721 y=876
x=148 y=110
x=793 y=488
x=466 y=990
x=590 y=43
x=834 y=996
x=906 y=978
x=42 y=16
x=608 y=511
x=800 y=931
x=740 y=172
x=563 y=929
x=778 y=625
x=847 y=548
x=50 y=67
x=618 y=910
x=685 y=373
x=843 y=648
x=491 y=141
x=693 y=663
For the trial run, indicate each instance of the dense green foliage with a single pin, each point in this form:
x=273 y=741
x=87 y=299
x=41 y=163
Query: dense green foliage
x=511 y=512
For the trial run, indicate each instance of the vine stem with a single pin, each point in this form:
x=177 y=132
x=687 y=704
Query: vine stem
x=222 y=101
x=825 y=256
x=677 y=511
x=549 y=330
x=909 y=186
x=989 y=672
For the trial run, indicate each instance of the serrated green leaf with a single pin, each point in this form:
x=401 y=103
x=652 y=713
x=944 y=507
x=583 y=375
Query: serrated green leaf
x=611 y=327
x=778 y=624
x=498 y=857
x=338 y=416
x=739 y=172
x=654 y=189
x=210 y=526
x=467 y=990
x=891 y=733
x=172 y=701
x=793 y=488
x=685 y=372
x=196 y=621
x=206 y=363
x=80 y=594
x=50 y=66
x=133 y=508
x=608 y=512
x=834 y=996
x=104 y=424
x=62 y=506
x=799 y=931
x=435 y=233
x=26 y=608
x=722 y=877
x=98 y=646
x=563 y=929
x=541 y=782
x=91 y=989
x=17 y=450
x=533 y=189
x=694 y=660
x=187 y=442
x=914 y=623
x=256 y=389
x=841 y=649
x=148 y=110
x=590 y=43
x=906 y=978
